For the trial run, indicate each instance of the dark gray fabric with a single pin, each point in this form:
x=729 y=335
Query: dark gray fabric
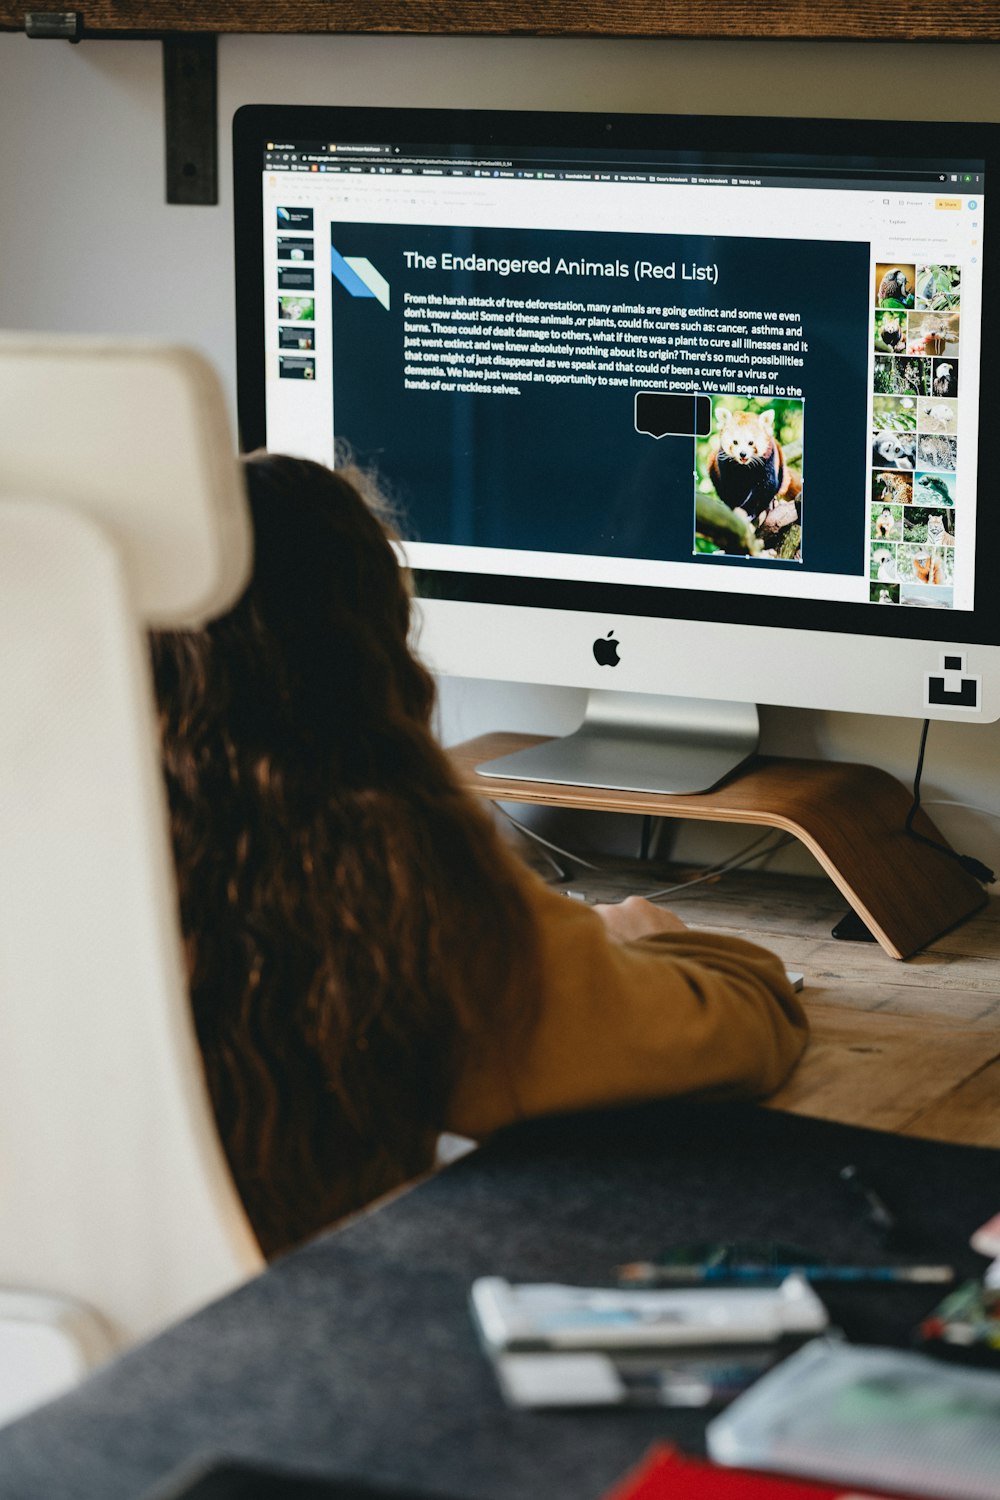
x=355 y=1356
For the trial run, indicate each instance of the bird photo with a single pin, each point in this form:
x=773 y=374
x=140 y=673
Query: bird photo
x=944 y=381
x=894 y=286
x=939 y=288
x=938 y=415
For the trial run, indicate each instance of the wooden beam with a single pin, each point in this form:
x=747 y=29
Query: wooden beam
x=811 y=20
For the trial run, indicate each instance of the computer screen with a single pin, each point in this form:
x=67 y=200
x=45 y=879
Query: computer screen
x=690 y=406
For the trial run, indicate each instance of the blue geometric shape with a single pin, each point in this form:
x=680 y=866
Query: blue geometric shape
x=348 y=278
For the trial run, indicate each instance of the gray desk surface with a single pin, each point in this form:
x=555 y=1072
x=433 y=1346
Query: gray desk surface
x=355 y=1355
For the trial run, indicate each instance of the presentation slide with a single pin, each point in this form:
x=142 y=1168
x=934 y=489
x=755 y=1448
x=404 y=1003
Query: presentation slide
x=617 y=394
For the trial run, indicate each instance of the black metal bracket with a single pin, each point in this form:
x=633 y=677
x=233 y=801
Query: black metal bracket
x=190 y=101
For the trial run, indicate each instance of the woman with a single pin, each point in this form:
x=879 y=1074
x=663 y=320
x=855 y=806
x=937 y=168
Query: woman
x=369 y=965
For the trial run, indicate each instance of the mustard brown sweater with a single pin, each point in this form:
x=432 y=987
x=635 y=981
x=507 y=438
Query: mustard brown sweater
x=677 y=1013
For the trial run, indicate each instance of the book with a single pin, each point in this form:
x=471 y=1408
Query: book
x=666 y=1474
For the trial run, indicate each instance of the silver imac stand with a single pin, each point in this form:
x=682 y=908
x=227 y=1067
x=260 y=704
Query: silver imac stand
x=641 y=742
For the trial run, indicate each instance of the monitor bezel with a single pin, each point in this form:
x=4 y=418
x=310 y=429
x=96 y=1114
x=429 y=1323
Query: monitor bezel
x=255 y=125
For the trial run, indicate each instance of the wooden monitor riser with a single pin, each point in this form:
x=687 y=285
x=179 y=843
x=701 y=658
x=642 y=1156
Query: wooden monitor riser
x=850 y=818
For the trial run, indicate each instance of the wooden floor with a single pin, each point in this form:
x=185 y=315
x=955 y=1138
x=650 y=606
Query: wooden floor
x=910 y=1046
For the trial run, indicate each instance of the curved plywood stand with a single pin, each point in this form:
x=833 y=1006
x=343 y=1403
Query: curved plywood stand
x=850 y=817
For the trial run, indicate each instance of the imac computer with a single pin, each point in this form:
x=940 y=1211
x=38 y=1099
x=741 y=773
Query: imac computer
x=693 y=413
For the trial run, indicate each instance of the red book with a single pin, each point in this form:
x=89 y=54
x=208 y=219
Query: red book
x=666 y=1474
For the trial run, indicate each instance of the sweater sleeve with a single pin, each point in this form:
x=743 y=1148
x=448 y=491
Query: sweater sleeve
x=679 y=1013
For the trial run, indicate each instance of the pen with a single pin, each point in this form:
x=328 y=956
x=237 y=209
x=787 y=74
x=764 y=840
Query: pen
x=877 y=1212
x=649 y=1273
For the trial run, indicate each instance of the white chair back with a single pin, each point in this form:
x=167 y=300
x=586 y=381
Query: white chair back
x=121 y=507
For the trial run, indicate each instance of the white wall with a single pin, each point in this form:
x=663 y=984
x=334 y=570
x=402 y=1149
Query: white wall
x=87 y=242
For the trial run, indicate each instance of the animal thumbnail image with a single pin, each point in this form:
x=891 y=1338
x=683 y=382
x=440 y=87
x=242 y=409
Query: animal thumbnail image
x=937 y=414
x=886 y=523
x=901 y=377
x=890 y=331
x=934 y=489
x=751 y=462
x=297 y=309
x=894 y=450
x=892 y=487
x=939 y=288
x=923 y=525
x=894 y=285
x=894 y=413
x=884 y=593
x=925 y=565
x=938 y=534
x=936 y=451
x=926 y=596
x=882 y=566
x=944 y=377
x=932 y=335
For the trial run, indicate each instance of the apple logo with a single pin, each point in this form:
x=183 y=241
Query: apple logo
x=606 y=650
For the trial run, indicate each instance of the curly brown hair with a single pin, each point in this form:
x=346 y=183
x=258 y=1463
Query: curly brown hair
x=346 y=907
